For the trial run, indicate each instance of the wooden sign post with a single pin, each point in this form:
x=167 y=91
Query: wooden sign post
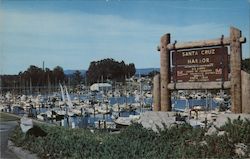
x=235 y=62
x=165 y=73
x=201 y=65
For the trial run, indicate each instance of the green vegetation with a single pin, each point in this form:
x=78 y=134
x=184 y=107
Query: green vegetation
x=181 y=141
x=245 y=64
x=37 y=78
x=34 y=76
x=7 y=117
x=109 y=69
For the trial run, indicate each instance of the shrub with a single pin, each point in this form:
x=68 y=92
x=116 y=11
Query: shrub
x=238 y=130
x=179 y=141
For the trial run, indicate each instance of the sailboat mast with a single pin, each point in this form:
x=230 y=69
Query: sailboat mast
x=68 y=97
x=30 y=86
x=1 y=85
x=49 y=85
x=62 y=92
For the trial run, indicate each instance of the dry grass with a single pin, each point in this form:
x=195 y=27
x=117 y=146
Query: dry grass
x=7 y=117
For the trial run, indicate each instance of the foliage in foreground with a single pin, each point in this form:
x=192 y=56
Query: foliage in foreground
x=181 y=141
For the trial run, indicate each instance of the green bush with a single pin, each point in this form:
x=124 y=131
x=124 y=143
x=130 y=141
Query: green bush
x=179 y=141
x=238 y=130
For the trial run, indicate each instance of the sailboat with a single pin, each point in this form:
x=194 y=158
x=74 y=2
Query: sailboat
x=63 y=102
x=68 y=97
x=70 y=109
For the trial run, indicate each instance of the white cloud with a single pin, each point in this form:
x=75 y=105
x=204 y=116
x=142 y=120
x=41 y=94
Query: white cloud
x=75 y=35
x=82 y=24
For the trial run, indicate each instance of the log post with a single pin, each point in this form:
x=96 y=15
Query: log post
x=156 y=93
x=165 y=73
x=235 y=64
x=245 y=83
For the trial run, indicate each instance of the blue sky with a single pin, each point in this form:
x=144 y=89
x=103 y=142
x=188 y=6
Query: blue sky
x=72 y=33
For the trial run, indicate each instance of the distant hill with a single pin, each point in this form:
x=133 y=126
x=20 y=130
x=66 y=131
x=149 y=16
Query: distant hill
x=145 y=71
x=142 y=71
x=70 y=72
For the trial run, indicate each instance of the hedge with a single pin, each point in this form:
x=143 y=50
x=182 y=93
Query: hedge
x=180 y=141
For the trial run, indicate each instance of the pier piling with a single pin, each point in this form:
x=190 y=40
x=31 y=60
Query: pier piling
x=156 y=93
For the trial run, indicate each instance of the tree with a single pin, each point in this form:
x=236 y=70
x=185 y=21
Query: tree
x=58 y=74
x=131 y=70
x=35 y=76
x=109 y=69
x=77 y=77
x=246 y=65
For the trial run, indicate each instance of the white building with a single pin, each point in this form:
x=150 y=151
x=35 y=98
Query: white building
x=101 y=87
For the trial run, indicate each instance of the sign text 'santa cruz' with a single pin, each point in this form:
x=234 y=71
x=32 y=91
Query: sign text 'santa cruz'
x=202 y=56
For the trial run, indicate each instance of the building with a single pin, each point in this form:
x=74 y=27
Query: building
x=101 y=87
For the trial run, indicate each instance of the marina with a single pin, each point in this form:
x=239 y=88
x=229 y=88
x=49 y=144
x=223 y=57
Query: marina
x=98 y=110
x=124 y=79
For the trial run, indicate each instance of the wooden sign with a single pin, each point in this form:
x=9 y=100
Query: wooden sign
x=200 y=65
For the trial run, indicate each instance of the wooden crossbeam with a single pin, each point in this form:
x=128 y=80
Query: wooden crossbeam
x=199 y=85
x=201 y=43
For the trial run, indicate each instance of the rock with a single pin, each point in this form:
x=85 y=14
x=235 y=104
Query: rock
x=26 y=123
x=240 y=149
x=223 y=118
x=211 y=130
x=153 y=119
x=221 y=133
